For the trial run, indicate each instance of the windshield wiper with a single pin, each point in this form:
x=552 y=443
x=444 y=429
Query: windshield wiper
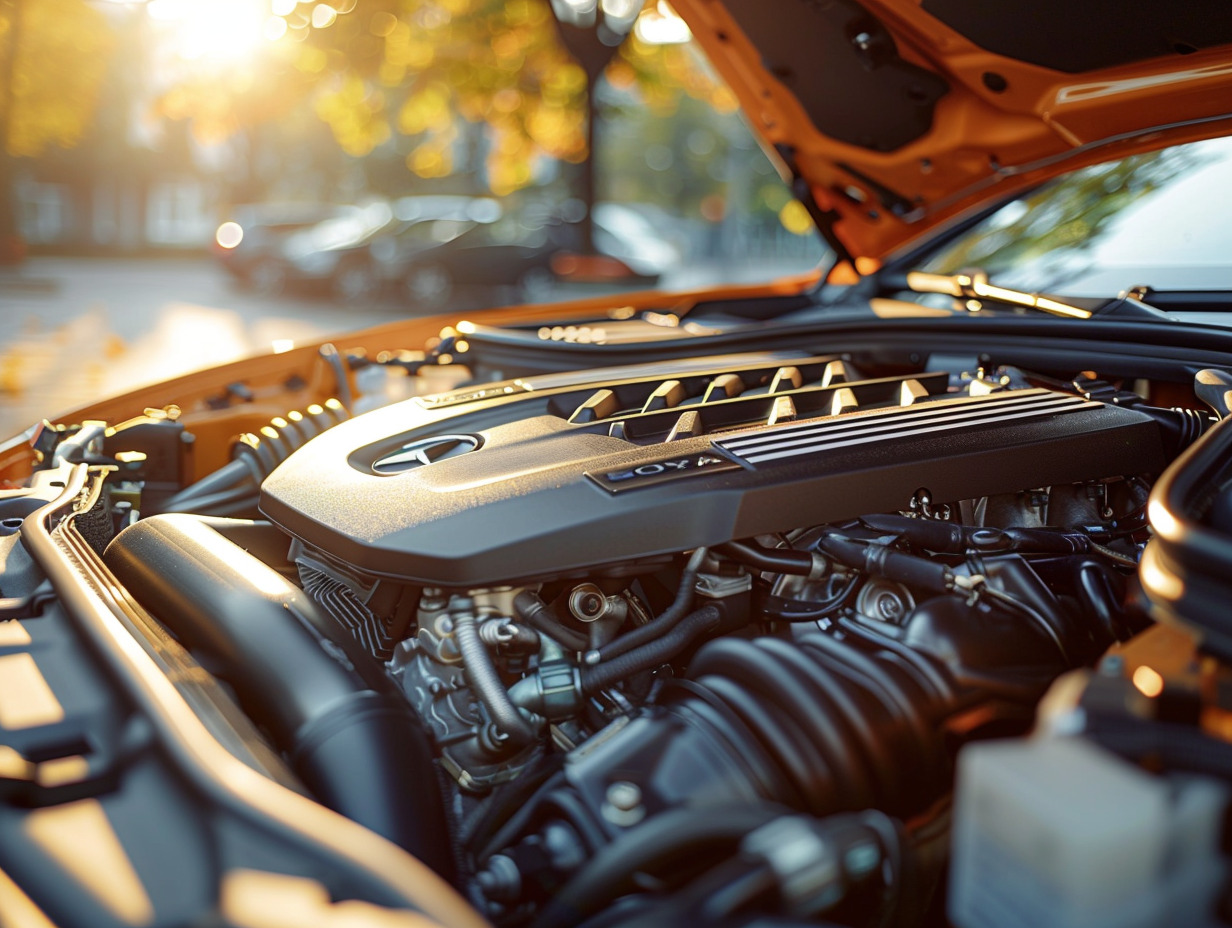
x=976 y=286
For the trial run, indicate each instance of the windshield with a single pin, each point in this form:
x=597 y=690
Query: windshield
x=1162 y=220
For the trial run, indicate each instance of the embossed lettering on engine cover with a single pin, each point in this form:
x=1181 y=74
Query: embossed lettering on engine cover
x=656 y=472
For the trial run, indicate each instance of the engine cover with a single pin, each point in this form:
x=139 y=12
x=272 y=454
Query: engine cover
x=535 y=478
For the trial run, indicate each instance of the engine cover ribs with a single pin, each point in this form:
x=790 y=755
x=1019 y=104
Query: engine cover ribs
x=533 y=480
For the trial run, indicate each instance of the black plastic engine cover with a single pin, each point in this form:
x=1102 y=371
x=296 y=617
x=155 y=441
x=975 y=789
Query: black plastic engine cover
x=502 y=483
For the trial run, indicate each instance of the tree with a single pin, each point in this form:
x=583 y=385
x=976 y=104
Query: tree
x=414 y=77
x=53 y=55
x=472 y=94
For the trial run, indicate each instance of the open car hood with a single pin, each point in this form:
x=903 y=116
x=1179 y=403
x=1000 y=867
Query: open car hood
x=896 y=116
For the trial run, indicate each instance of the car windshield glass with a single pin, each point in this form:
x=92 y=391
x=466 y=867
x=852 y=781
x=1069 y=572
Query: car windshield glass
x=1162 y=220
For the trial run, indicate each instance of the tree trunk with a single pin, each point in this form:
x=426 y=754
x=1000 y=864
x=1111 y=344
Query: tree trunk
x=12 y=248
x=586 y=182
x=592 y=49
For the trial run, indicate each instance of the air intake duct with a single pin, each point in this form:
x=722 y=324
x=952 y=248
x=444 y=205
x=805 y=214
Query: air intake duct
x=324 y=702
x=819 y=724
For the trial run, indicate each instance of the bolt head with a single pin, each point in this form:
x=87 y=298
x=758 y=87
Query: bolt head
x=624 y=795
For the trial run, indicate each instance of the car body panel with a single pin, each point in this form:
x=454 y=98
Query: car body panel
x=1001 y=126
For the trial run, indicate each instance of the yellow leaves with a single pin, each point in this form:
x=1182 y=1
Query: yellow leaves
x=390 y=74
x=458 y=7
x=356 y=115
x=382 y=23
x=408 y=49
x=509 y=164
x=525 y=12
x=559 y=131
x=433 y=158
x=507 y=100
x=63 y=51
x=564 y=82
x=426 y=110
x=795 y=218
x=311 y=60
x=662 y=72
x=495 y=62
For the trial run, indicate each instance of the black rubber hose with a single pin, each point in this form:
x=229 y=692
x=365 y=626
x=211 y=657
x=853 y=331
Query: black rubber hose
x=532 y=610
x=774 y=560
x=660 y=624
x=482 y=676
x=676 y=834
x=918 y=573
x=659 y=651
x=325 y=703
x=932 y=534
x=940 y=685
x=953 y=538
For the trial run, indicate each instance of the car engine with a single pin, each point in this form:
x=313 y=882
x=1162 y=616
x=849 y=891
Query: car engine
x=697 y=639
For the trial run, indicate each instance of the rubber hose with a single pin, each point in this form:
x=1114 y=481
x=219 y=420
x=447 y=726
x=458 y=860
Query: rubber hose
x=652 y=654
x=666 y=620
x=776 y=560
x=349 y=735
x=532 y=610
x=482 y=676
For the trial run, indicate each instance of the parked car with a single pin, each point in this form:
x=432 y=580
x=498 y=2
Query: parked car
x=428 y=248
x=248 y=242
x=893 y=595
x=356 y=256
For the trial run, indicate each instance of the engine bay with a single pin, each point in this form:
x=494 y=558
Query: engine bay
x=704 y=639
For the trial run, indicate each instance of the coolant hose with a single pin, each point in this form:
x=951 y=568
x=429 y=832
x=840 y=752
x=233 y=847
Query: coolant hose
x=532 y=610
x=326 y=704
x=662 y=623
x=659 y=651
x=773 y=560
x=482 y=676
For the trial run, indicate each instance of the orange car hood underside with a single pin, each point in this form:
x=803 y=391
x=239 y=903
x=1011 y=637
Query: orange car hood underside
x=897 y=116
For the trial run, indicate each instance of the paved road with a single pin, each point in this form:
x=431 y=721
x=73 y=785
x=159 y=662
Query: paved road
x=74 y=329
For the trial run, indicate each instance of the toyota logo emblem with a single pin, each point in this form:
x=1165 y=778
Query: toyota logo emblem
x=423 y=452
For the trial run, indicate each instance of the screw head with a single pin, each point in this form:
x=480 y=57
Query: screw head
x=624 y=795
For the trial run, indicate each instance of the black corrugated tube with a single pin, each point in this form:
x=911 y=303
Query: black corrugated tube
x=232 y=490
x=847 y=728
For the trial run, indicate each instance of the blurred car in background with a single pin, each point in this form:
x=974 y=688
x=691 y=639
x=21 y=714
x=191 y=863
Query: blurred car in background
x=425 y=250
x=248 y=242
x=358 y=255
x=534 y=254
